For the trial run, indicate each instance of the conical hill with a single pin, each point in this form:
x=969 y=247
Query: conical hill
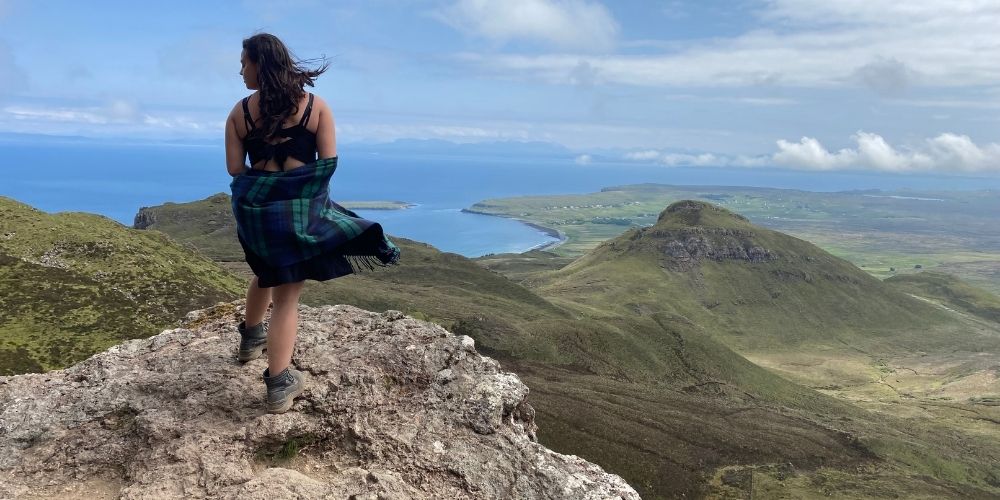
x=754 y=288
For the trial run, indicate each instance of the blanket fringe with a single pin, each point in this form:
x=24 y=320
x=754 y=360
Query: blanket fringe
x=368 y=262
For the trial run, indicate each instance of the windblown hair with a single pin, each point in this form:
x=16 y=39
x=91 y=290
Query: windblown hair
x=282 y=79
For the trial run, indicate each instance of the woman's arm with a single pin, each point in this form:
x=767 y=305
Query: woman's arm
x=326 y=140
x=235 y=154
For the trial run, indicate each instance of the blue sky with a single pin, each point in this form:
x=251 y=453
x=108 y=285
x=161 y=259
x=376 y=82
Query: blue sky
x=807 y=84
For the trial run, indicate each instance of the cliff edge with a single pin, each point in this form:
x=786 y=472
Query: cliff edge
x=394 y=408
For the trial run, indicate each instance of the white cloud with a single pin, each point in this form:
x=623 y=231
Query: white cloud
x=646 y=155
x=886 y=46
x=874 y=12
x=583 y=160
x=751 y=161
x=945 y=153
x=56 y=115
x=700 y=160
x=697 y=160
x=184 y=123
x=116 y=118
x=572 y=24
x=115 y=111
x=959 y=150
x=810 y=154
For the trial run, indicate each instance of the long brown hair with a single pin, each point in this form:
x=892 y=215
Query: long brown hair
x=281 y=78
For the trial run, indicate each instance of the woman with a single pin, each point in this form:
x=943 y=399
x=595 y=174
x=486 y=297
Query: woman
x=288 y=227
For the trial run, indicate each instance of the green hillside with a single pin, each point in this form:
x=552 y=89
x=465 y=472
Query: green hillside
x=626 y=371
x=206 y=225
x=882 y=232
x=521 y=266
x=787 y=305
x=73 y=284
x=950 y=291
x=755 y=288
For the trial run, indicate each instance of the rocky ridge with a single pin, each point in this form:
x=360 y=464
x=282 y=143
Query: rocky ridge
x=394 y=408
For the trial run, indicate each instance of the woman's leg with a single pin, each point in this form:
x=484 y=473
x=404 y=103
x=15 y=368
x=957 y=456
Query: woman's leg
x=283 y=326
x=257 y=301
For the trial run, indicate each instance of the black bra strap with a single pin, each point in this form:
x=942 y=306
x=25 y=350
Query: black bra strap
x=309 y=108
x=246 y=113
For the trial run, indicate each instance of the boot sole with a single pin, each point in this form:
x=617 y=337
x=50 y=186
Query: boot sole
x=289 y=400
x=252 y=354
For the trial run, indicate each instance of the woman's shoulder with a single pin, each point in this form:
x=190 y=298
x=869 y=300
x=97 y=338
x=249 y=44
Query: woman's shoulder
x=238 y=107
x=319 y=103
x=250 y=99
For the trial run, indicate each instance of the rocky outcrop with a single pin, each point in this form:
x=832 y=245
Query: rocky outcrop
x=144 y=218
x=688 y=233
x=394 y=408
x=686 y=248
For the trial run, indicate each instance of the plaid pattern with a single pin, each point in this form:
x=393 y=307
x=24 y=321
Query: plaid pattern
x=288 y=217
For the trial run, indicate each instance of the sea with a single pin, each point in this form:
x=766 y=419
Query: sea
x=115 y=180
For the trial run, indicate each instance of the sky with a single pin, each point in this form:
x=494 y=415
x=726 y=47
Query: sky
x=818 y=85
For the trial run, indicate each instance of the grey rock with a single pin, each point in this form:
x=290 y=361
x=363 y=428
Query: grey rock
x=395 y=408
x=684 y=249
x=144 y=218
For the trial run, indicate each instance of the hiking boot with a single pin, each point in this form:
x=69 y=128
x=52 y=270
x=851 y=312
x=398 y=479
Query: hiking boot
x=253 y=341
x=282 y=388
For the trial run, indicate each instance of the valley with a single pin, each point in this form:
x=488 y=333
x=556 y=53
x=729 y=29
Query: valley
x=702 y=355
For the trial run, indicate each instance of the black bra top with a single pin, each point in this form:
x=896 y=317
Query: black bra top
x=301 y=144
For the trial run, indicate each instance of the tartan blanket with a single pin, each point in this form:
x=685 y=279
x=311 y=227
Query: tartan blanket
x=288 y=217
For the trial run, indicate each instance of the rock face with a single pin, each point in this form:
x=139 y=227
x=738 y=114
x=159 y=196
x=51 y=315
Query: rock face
x=685 y=248
x=144 y=218
x=394 y=408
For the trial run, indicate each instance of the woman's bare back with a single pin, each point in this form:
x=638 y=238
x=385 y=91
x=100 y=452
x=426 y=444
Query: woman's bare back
x=312 y=126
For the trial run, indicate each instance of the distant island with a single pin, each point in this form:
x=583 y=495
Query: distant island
x=377 y=205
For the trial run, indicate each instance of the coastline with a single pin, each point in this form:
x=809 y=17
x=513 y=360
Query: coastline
x=377 y=205
x=555 y=233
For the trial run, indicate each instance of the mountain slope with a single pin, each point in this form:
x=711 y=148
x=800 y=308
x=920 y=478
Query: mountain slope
x=754 y=288
x=789 y=306
x=648 y=393
x=950 y=290
x=72 y=284
x=200 y=224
